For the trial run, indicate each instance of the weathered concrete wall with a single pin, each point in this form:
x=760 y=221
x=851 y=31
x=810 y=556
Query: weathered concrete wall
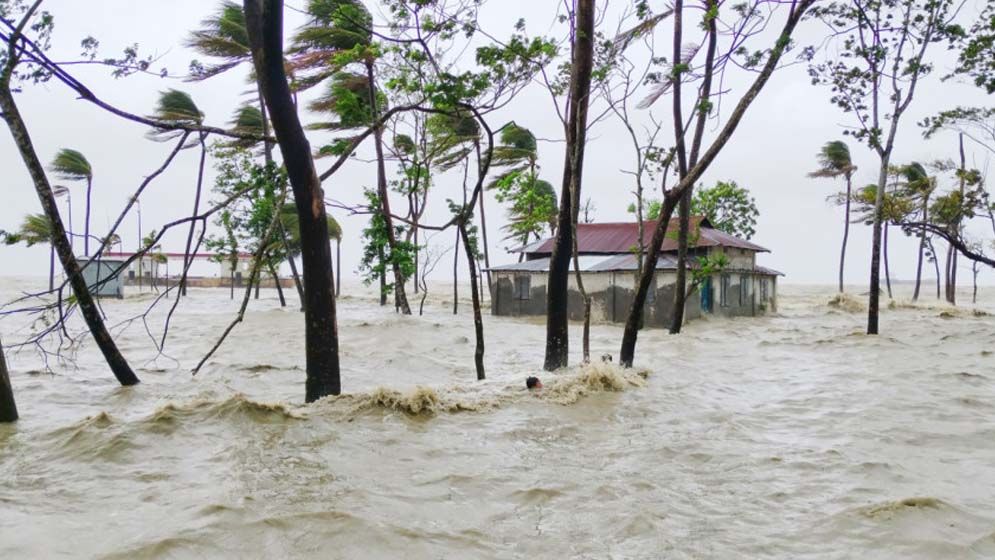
x=738 y=258
x=612 y=294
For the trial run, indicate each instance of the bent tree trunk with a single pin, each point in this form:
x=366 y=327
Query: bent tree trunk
x=478 y=321
x=8 y=408
x=279 y=288
x=557 y=334
x=119 y=366
x=264 y=26
x=887 y=269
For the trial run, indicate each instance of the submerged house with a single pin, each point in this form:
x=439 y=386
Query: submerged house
x=608 y=268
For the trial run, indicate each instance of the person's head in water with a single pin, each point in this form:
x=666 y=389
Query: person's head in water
x=533 y=383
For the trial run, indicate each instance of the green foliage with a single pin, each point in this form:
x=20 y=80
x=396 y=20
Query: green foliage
x=378 y=259
x=532 y=204
x=347 y=98
x=34 y=230
x=257 y=189
x=728 y=206
x=223 y=36
x=879 y=46
x=834 y=161
x=977 y=44
x=71 y=165
x=174 y=107
x=707 y=266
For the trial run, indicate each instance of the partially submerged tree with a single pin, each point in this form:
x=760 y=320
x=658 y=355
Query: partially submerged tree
x=764 y=62
x=882 y=47
x=43 y=189
x=579 y=92
x=834 y=162
x=264 y=25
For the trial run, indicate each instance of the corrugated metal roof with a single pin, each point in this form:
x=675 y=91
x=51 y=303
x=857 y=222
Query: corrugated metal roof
x=613 y=263
x=622 y=237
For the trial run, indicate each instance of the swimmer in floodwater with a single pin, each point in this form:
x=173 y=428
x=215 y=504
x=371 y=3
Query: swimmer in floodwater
x=533 y=383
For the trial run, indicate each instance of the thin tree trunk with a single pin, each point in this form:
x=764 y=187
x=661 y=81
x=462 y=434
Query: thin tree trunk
x=279 y=288
x=8 y=408
x=118 y=365
x=338 y=267
x=187 y=257
x=51 y=266
x=875 y=288
x=936 y=265
x=456 y=275
x=478 y=322
x=86 y=229
x=264 y=25
x=947 y=272
x=231 y=289
x=887 y=270
x=683 y=235
x=383 y=277
x=846 y=225
x=259 y=280
x=293 y=264
x=681 y=292
x=400 y=298
x=557 y=331
x=483 y=232
x=922 y=247
x=974 y=293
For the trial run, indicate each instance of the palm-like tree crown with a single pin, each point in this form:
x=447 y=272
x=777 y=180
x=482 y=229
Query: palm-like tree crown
x=71 y=165
x=35 y=229
x=175 y=107
x=834 y=160
x=221 y=36
x=335 y=26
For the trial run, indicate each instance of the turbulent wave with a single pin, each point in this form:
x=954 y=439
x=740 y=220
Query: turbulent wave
x=235 y=406
x=563 y=388
x=848 y=303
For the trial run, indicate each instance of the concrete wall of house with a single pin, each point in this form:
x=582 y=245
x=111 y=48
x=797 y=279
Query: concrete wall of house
x=738 y=258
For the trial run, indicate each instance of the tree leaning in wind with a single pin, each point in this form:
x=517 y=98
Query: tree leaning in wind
x=35 y=230
x=834 y=162
x=71 y=165
x=875 y=60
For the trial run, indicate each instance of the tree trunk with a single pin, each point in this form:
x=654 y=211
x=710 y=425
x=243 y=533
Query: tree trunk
x=187 y=257
x=8 y=408
x=279 y=288
x=974 y=293
x=338 y=267
x=400 y=298
x=557 y=332
x=118 y=365
x=947 y=268
x=51 y=266
x=936 y=265
x=86 y=227
x=887 y=270
x=875 y=288
x=846 y=225
x=383 y=277
x=922 y=247
x=456 y=275
x=671 y=198
x=264 y=25
x=478 y=322
x=683 y=235
x=293 y=264
x=483 y=232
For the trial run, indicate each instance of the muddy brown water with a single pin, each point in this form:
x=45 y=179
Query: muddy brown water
x=790 y=436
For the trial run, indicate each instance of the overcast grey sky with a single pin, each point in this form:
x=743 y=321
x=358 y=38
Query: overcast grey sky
x=770 y=153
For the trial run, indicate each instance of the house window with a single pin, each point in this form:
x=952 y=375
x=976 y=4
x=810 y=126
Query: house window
x=744 y=289
x=523 y=286
x=763 y=290
x=724 y=291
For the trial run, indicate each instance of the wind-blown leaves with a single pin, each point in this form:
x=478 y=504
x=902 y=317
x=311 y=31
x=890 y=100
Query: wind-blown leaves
x=335 y=27
x=248 y=120
x=347 y=98
x=834 y=160
x=222 y=35
x=34 y=230
x=175 y=107
x=71 y=165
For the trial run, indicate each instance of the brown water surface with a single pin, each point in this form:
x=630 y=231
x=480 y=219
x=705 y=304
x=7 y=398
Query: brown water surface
x=790 y=436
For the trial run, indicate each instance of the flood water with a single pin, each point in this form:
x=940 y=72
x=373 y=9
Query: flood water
x=789 y=436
